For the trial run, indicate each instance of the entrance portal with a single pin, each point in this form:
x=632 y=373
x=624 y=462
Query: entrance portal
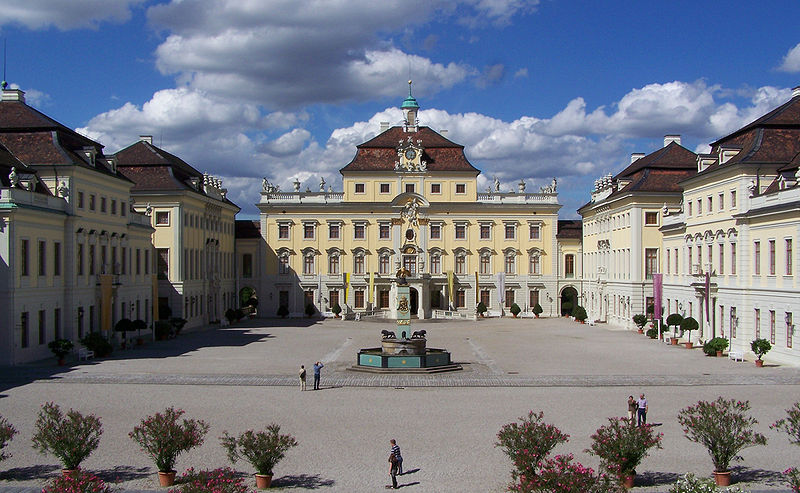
x=569 y=300
x=414 y=302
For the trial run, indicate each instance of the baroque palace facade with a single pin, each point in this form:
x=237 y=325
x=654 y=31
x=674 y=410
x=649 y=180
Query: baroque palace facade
x=411 y=201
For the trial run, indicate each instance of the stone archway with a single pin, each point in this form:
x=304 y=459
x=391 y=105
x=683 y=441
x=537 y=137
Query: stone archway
x=569 y=300
x=414 y=295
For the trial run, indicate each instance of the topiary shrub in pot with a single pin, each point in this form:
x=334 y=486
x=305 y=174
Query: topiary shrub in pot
x=139 y=325
x=283 y=311
x=481 y=308
x=230 y=315
x=61 y=348
x=580 y=314
x=566 y=308
x=760 y=347
x=94 y=341
x=688 y=325
x=515 y=309
x=310 y=310
x=124 y=325
x=70 y=436
x=621 y=446
x=262 y=449
x=537 y=310
x=162 y=329
x=652 y=333
x=640 y=320
x=674 y=320
x=715 y=346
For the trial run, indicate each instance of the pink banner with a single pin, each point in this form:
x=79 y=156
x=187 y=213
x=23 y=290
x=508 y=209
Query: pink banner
x=657 y=288
x=708 y=297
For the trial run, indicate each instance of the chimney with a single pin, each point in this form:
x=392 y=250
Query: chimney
x=146 y=138
x=443 y=131
x=636 y=155
x=384 y=126
x=13 y=95
x=668 y=139
x=795 y=92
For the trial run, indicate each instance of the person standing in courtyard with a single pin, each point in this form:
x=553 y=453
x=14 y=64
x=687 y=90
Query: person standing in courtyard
x=396 y=452
x=642 y=411
x=317 y=369
x=392 y=472
x=302 y=377
x=632 y=407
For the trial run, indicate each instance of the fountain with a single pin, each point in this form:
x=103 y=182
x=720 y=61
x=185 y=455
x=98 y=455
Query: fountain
x=404 y=354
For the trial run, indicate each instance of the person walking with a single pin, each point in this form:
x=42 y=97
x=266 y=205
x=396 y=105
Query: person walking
x=392 y=472
x=396 y=452
x=302 y=377
x=317 y=369
x=642 y=411
x=632 y=407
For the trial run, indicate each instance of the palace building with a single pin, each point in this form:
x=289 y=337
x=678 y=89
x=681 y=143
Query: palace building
x=410 y=201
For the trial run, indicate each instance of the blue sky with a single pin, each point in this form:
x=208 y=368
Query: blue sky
x=285 y=89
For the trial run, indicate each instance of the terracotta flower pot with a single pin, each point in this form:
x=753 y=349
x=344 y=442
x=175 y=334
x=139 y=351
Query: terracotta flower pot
x=688 y=345
x=719 y=354
x=166 y=478
x=641 y=331
x=627 y=481
x=673 y=341
x=69 y=472
x=759 y=363
x=263 y=481
x=722 y=478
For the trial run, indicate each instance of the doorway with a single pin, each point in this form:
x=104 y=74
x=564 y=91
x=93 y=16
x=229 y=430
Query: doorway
x=414 y=302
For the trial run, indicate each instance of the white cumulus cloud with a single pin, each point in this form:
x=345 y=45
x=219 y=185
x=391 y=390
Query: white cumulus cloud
x=791 y=62
x=64 y=15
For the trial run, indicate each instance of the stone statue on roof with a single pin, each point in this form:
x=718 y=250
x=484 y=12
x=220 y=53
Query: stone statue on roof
x=322 y=184
x=13 y=178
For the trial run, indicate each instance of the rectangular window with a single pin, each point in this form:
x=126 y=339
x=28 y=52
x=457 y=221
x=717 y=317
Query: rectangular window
x=57 y=323
x=358 y=298
x=733 y=322
x=42 y=258
x=80 y=259
x=383 y=298
x=721 y=200
x=114 y=265
x=509 y=298
x=710 y=258
x=461 y=264
x=56 y=259
x=163 y=263
x=534 y=298
x=533 y=232
x=699 y=206
x=24 y=258
x=436 y=231
x=461 y=231
x=333 y=297
x=651 y=218
x=484 y=295
x=757 y=258
x=710 y=205
x=772 y=257
x=436 y=264
x=23 y=322
x=651 y=262
x=42 y=327
x=247 y=265
x=733 y=258
x=789 y=329
x=511 y=264
x=511 y=231
x=123 y=209
x=308 y=264
x=721 y=259
x=383 y=231
x=461 y=298
x=534 y=267
x=385 y=188
x=80 y=200
x=91 y=260
x=410 y=188
x=283 y=231
x=461 y=188
x=308 y=231
x=358 y=264
x=147 y=262
x=91 y=202
x=485 y=264
x=359 y=188
x=162 y=218
x=283 y=264
x=689 y=212
x=569 y=265
x=333 y=231
x=772 y=327
x=383 y=264
x=359 y=231
x=485 y=231
x=733 y=199
x=113 y=206
x=103 y=205
x=677 y=270
x=757 y=322
x=124 y=263
x=436 y=188
x=788 y=256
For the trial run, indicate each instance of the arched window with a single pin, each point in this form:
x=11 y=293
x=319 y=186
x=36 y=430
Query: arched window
x=358 y=263
x=461 y=262
x=333 y=263
x=283 y=261
x=308 y=262
x=535 y=267
x=486 y=262
x=436 y=262
x=511 y=262
x=384 y=263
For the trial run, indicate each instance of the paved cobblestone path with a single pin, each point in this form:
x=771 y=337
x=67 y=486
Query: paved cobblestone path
x=245 y=377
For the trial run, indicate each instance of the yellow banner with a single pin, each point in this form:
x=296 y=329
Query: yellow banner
x=477 y=290
x=371 y=288
x=450 y=286
x=346 y=286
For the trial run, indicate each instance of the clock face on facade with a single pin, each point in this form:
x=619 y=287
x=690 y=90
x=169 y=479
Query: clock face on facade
x=411 y=154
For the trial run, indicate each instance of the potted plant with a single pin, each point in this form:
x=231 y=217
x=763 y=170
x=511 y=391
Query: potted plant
x=674 y=321
x=177 y=324
x=640 y=320
x=220 y=480
x=162 y=329
x=162 y=437
x=263 y=450
x=94 y=341
x=563 y=474
x=621 y=446
x=791 y=426
x=515 y=309
x=124 y=325
x=283 y=311
x=689 y=324
x=230 y=315
x=139 y=325
x=724 y=428
x=7 y=432
x=566 y=308
x=310 y=310
x=71 y=437
x=61 y=348
x=481 y=309
x=528 y=443
x=715 y=346
x=336 y=309
x=652 y=333
x=76 y=482
x=253 y=304
x=760 y=347
x=580 y=314
x=537 y=310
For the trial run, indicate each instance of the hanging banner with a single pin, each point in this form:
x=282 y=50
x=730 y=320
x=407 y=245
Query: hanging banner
x=501 y=287
x=371 y=288
x=477 y=290
x=346 y=286
x=450 y=287
x=708 y=297
x=657 y=293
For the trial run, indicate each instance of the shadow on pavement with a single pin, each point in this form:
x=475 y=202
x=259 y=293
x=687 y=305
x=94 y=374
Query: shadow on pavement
x=653 y=478
x=28 y=473
x=119 y=474
x=305 y=481
x=749 y=475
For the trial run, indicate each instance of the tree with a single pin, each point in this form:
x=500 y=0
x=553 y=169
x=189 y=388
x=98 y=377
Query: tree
x=689 y=324
x=640 y=320
x=537 y=309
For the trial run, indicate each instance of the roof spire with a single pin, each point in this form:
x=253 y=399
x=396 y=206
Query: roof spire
x=410 y=108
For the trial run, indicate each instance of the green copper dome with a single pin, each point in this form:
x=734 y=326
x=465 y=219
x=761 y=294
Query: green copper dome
x=410 y=101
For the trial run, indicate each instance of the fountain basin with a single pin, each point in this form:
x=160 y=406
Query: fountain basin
x=430 y=360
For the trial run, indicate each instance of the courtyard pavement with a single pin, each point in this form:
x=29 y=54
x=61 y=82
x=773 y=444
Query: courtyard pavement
x=244 y=377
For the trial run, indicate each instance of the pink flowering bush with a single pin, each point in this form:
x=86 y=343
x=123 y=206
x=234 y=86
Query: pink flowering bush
x=263 y=449
x=77 y=482
x=528 y=443
x=163 y=438
x=7 y=432
x=222 y=480
x=622 y=445
x=791 y=426
x=562 y=474
x=792 y=476
x=723 y=427
x=71 y=437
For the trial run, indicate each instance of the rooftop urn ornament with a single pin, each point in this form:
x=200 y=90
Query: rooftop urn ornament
x=496 y=184
x=521 y=186
x=296 y=185
x=13 y=178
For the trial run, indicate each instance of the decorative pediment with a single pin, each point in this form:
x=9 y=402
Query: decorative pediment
x=409 y=156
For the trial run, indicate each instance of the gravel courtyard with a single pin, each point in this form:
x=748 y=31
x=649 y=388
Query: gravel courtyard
x=245 y=377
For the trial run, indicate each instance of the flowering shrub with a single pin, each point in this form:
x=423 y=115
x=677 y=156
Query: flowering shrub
x=560 y=474
x=528 y=443
x=621 y=445
x=222 y=480
x=7 y=432
x=691 y=484
x=163 y=438
x=723 y=427
x=262 y=450
x=71 y=437
x=792 y=477
x=77 y=482
x=791 y=424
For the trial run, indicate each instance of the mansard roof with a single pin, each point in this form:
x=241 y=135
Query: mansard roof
x=659 y=171
x=380 y=152
x=570 y=228
x=248 y=229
